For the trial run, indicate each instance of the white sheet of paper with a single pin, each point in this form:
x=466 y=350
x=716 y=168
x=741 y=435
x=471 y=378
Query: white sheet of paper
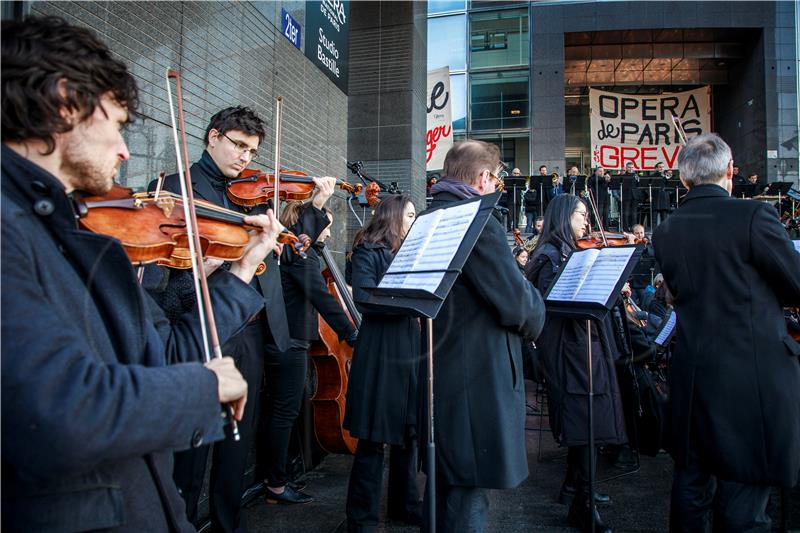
x=591 y=275
x=431 y=244
x=797 y=246
x=667 y=329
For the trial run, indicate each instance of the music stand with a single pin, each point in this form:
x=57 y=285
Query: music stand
x=537 y=183
x=576 y=185
x=587 y=286
x=416 y=286
x=514 y=185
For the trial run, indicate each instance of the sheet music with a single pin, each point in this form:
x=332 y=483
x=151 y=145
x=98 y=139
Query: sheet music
x=571 y=278
x=431 y=244
x=667 y=329
x=591 y=275
x=797 y=246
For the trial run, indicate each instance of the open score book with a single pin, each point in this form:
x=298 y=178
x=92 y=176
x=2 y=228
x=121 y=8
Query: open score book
x=591 y=276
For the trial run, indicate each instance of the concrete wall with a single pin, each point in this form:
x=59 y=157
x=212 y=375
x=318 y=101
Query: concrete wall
x=229 y=53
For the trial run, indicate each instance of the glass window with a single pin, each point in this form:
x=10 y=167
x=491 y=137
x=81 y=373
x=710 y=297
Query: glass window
x=447 y=42
x=476 y=4
x=444 y=6
x=499 y=100
x=498 y=39
x=458 y=92
x=514 y=149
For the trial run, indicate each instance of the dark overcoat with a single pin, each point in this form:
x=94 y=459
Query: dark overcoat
x=205 y=175
x=735 y=375
x=306 y=295
x=382 y=391
x=479 y=392
x=88 y=407
x=562 y=345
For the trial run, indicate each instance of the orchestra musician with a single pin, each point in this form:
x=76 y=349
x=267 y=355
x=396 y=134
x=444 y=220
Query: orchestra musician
x=232 y=139
x=599 y=183
x=306 y=297
x=631 y=197
x=734 y=374
x=478 y=370
x=91 y=413
x=563 y=346
x=382 y=394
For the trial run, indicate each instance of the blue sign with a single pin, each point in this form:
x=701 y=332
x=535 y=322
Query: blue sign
x=290 y=28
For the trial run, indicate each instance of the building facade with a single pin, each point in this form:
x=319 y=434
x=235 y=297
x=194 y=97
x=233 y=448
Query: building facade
x=521 y=72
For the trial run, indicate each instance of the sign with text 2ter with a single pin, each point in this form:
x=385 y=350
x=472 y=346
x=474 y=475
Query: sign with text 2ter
x=290 y=28
x=327 y=35
x=439 y=137
x=639 y=129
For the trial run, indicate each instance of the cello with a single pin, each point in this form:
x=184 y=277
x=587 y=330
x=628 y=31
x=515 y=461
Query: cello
x=331 y=359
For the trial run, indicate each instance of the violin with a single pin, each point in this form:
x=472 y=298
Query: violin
x=631 y=310
x=255 y=187
x=153 y=228
x=331 y=359
x=602 y=238
x=518 y=237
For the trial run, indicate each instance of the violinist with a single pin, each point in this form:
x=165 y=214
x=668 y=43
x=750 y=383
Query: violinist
x=563 y=346
x=491 y=319
x=91 y=413
x=232 y=139
x=306 y=297
x=382 y=392
x=645 y=270
x=734 y=373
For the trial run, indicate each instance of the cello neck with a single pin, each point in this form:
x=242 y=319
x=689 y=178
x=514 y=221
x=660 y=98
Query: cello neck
x=341 y=286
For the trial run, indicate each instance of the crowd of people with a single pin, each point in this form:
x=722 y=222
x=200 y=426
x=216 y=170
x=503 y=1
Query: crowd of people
x=109 y=410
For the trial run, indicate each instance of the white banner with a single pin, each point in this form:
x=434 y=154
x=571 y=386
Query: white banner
x=439 y=137
x=627 y=128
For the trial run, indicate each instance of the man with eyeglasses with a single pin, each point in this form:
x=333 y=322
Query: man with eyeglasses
x=478 y=368
x=232 y=139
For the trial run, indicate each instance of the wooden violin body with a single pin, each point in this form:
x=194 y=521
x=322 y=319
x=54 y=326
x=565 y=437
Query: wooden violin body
x=331 y=358
x=594 y=240
x=153 y=230
x=255 y=187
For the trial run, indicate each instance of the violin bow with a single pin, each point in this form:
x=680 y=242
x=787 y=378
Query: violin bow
x=590 y=197
x=276 y=199
x=202 y=293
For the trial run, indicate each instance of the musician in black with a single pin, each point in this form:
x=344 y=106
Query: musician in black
x=232 y=140
x=306 y=296
x=661 y=196
x=598 y=183
x=631 y=197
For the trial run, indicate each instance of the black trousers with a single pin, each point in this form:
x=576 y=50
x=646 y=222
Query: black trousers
x=697 y=496
x=458 y=509
x=630 y=211
x=229 y=457
x=577 y=474
x=285 y=383
x=365 y=486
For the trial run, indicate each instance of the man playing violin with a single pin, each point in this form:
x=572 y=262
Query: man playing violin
x=232 y=140
x=91 y=413
x=734 y=374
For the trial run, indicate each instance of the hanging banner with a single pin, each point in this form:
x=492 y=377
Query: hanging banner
x=638 y=129
x=439 y=137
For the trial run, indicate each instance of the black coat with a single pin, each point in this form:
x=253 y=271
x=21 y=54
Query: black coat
x=306 y=296
x=204 y=173
x=88 y=405
x=382 y=391
x=479 y=392
x=562 y=345
x=735 y=375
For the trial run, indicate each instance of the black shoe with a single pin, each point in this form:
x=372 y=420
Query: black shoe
x=580 y=517
x=568 y=493
x=288 y=496
x=411 y=517
x=626 y=459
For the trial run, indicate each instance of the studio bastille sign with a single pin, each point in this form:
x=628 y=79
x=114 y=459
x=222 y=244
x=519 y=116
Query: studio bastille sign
x=639 y=129
x=327 y=38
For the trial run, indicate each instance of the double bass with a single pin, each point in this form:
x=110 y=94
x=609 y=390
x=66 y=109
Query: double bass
x=331 y=359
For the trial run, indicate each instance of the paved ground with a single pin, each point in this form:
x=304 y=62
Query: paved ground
x=641 y=498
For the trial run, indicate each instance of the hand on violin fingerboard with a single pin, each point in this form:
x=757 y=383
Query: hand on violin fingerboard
x=324 y=190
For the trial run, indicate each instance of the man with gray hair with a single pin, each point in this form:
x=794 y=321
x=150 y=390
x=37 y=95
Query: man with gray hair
x=734 y=376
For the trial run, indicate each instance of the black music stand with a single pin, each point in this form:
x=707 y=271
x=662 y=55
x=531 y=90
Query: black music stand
x=595 y=293
x=576 y=185
x=537 y=183
x=427 y=302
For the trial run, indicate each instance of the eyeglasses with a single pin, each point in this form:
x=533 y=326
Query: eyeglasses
x=242 y=148
x=584 y=214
